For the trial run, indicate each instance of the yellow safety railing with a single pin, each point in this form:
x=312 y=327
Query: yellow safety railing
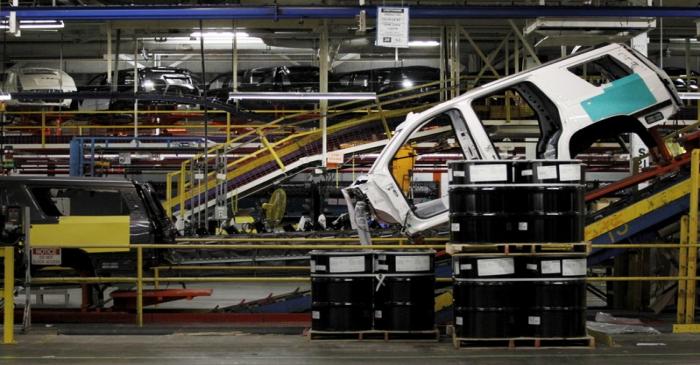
x=140 y=280
x=276 y=151
x=8 y=328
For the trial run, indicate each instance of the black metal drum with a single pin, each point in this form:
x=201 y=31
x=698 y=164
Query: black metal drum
x=486 y=296
x=513 y=228
x=341 y=291
x=516 y=199
x=516 y=213
x=556 y=306
x=404 y=298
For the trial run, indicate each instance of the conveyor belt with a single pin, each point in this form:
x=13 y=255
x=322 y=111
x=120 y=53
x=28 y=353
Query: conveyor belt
x=649 y=209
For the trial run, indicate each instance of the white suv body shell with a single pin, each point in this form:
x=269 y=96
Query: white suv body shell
x=580 y=104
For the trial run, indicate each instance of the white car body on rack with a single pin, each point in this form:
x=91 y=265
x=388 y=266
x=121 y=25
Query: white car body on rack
x=572 y=112
x=37 y=79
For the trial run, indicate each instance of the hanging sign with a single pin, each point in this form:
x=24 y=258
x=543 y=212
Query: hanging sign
x=392 y=27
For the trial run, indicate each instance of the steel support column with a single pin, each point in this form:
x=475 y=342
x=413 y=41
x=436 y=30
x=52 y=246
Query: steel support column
x=526 y=44
x=323 y=87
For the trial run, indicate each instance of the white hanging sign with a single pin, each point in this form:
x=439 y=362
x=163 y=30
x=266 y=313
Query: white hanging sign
x=392 y=27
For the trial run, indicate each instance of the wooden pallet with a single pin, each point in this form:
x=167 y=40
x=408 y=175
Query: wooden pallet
x=375 y=335
x=525 y=342
x=517 y=248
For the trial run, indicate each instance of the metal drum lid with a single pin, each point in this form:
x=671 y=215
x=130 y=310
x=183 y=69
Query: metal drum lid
x=480 y=172
x=496 y=266
x=340 y=262
x=516 y=171
x=405 y=262
x=554 y=266
x=549 y=171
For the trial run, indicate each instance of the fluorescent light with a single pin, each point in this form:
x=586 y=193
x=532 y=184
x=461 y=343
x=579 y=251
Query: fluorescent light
x=683 y=40
x=423 y=43
x=225 y=37
x=406 y=83
x=219 y=35
x=35 y=24
x=5 y=97
x=301 y=96
x=689 y=96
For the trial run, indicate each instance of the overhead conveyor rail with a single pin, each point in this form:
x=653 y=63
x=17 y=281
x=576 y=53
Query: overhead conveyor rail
x=70 y=13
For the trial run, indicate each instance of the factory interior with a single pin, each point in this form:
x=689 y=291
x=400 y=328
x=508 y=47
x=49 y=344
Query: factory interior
x=349 y=181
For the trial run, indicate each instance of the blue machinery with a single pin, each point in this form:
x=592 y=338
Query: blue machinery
x=81 y=166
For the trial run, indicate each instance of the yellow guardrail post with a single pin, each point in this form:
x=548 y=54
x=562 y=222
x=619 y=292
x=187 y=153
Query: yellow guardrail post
x=139 y=286
x=228 y=128
x=168 y=193
x=692 y=236
x=682 y=271
x=181 y=190
x=156 y=275
x=8 y=328
x=43 y=129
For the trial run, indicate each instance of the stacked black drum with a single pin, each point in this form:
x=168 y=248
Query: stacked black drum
x=372 y=290
x=518 y=272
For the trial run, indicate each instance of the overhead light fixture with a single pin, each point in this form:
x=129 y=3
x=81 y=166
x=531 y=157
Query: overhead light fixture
x=423 y=43
x=219 y=35
x=226 y=37
x=5 y=97
x=406 y=83
x=301 y=96
x=683 y=40
x=689 y=96
x=35 y=24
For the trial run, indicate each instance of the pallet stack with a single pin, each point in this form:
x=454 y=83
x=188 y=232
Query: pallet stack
x=373 y=295
x=519 y=260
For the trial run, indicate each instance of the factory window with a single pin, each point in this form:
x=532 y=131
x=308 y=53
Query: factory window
x=69 y=201
x=417 y=167
x=601 y=70
x=524 y=102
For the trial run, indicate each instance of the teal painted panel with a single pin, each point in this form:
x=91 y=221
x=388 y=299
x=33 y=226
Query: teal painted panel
x=623 y=96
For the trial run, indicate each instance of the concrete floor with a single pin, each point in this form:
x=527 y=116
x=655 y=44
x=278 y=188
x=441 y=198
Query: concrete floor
x=46 y=346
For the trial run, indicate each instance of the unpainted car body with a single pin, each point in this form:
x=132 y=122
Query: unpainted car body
x=634 y=96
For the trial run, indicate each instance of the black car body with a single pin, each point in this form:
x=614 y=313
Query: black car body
x=269 y=79
x=166 y=81
x=393 y=79
x=680 y=81
x=105 y=216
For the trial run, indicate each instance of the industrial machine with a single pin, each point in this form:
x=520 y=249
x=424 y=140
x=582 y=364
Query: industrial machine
x=628 y=95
